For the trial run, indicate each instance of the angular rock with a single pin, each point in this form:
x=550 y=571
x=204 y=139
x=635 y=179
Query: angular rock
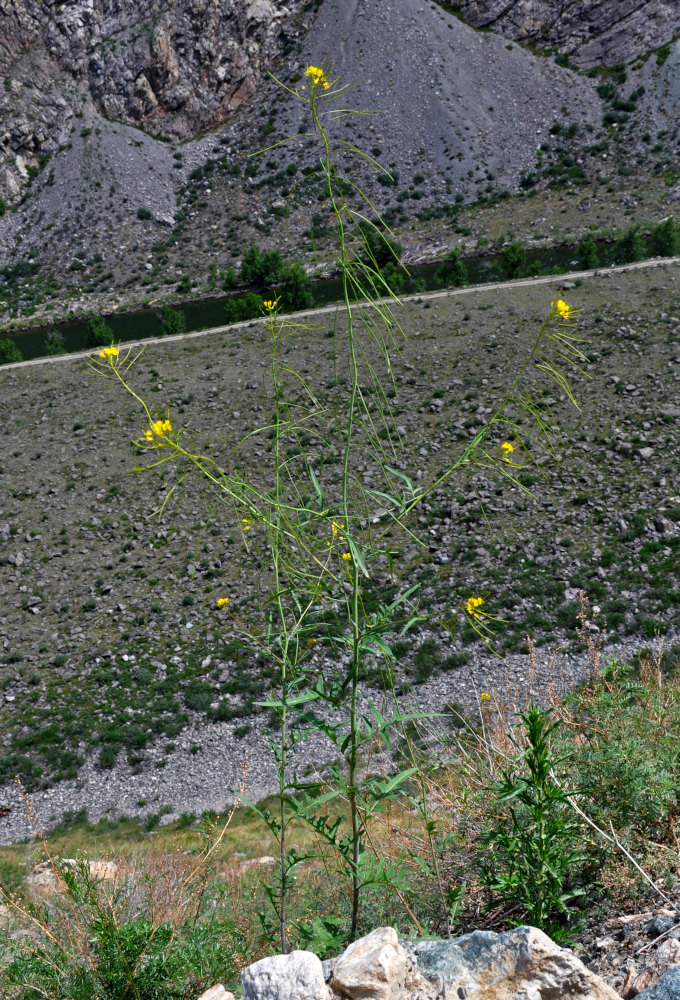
x=514 y=965
x=668 y=987
x=666 y=956
x=373 y=967
x=297 y=976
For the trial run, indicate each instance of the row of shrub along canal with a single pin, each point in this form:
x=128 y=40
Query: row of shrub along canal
x=204 y=314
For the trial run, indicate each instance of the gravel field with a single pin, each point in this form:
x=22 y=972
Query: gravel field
x=118 y=679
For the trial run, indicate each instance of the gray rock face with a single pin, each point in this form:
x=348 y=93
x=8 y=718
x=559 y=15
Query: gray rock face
x=521 y=964
x=514 y=965
x=591 y=31
x=298 y=976
x=175 y=68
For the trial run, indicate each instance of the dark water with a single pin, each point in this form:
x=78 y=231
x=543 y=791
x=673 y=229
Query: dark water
x=207 y=313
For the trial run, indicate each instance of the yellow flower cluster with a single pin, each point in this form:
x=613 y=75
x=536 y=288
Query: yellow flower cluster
x=270 y=305
x=484 y=697
x=159 y=428
x=347 y=556
x=472 y=604
x=317 y=76
x=563 y=310
x=246 y=523
x=222 y=602
x=507 y=448
x=109 y=352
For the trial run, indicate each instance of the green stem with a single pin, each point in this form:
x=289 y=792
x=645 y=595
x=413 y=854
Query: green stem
x=276 y=558
x=353 y=755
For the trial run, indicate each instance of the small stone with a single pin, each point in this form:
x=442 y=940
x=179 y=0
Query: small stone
x=217 y=993
x=659 y=924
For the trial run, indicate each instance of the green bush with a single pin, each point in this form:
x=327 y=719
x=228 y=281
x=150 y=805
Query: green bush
x=242 y=308
x=452 y=272
x=531 y=852
x=296 y=288
x=172 y=321
x=379 y=248
x=632 y=246
x=144 y=213
x=54 y=343
x=665 y=239
x=99 y=332
x=261 y=268
x=514 y=257
x=629 y=762
x=9 y=352
x=89 y=953
x=588 y=257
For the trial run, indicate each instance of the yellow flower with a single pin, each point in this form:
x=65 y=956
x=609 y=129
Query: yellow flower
x=472 y=604
x=484 y=696
x=336 y=528
x=310 y=643
x=507 y=448
x=109 y=352
x=246 y=523
x=563 y=310
x=270 y=305
x=222 y=602
x=160 y=427
x=347 y=556
x=317 y=76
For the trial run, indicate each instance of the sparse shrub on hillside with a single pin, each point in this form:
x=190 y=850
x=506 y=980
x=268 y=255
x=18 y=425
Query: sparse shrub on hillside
x=99 y=333
x=9 y=352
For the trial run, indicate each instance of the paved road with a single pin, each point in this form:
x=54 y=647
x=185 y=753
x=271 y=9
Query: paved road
x=333 y=307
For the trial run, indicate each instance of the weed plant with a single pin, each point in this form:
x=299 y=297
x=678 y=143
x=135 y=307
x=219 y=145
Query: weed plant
x=113 y=931
x=327 y=530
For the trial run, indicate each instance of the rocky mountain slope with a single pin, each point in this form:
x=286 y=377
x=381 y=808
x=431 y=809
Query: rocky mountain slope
x=591 y=32
x=121 y=121
x=176 y=69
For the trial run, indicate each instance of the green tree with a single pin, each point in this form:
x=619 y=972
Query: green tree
x=99 y=332
x=665 y=238
x=588 y=257
x=172 y=321
x=514 y=258
x=9 y=352
x=452 y=271
x=54 y=342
